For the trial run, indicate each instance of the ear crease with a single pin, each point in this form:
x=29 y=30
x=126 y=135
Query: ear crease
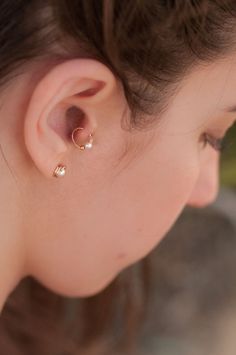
x=92 y=91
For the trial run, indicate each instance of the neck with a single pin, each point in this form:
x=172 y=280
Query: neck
x=12 y=252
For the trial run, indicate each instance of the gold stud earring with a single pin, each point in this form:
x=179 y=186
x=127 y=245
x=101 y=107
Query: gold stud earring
x=59 y=171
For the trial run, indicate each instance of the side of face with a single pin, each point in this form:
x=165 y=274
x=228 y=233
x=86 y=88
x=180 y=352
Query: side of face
x=119 y=199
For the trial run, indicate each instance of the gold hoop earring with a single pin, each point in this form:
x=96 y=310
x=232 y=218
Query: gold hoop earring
x=88 y=145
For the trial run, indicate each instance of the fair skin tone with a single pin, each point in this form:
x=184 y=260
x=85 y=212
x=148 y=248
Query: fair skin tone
x=117 y=201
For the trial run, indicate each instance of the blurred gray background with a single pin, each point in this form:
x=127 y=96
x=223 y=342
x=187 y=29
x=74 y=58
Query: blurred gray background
x=193 y=306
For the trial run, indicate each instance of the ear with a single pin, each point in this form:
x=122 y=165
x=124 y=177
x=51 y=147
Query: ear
x=72 y=94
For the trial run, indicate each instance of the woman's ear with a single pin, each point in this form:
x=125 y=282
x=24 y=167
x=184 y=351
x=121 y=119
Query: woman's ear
x=72 y=94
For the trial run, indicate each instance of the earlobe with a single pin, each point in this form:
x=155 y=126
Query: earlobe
x=84 y=84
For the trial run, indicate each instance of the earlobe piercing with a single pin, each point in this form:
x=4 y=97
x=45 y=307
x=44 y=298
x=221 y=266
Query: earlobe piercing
x=61 y=169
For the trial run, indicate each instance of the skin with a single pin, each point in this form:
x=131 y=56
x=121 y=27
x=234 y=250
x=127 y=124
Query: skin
x=117 y=201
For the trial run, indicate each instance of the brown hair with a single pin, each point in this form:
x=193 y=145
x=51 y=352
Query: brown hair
x=149 y=46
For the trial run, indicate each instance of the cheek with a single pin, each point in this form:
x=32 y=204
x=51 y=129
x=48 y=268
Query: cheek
x=146 y=208
x=122 y=223
x=134 y=212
